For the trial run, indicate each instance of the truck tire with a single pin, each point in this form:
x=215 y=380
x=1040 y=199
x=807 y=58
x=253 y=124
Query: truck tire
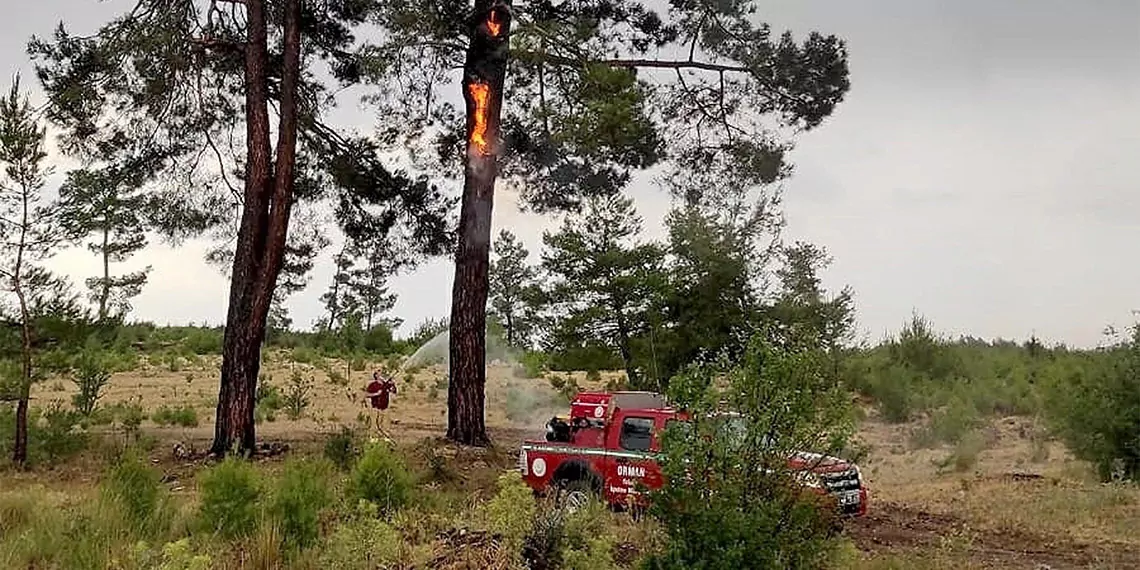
x=574 y=495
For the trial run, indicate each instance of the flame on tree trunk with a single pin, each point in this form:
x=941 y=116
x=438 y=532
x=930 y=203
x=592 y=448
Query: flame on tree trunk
x=483 y=76
x=268 y=200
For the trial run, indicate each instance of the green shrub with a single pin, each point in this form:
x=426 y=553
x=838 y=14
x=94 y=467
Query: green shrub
x=296 y=397
x=302 y=492
x=756 y=518
x=1096 y=410
x=380 y=477
x=949 y=425
x=511 y=512
x=230 y=492
x=304 y=355
x=136 y=487
x=336 y=378
x=55 y=436
x=130 y=417
x=178 y=555
x=363 y=541
x=965 y=454
x=185 y=416
x=342 y=448
x=535 y=362
x=90 y=376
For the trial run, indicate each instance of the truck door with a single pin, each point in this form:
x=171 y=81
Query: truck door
x=631 y=466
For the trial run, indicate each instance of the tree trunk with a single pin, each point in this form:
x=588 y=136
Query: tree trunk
x=105 y=291
x=626 y=353
x=483 y=77
x=263 y=230
x=20 y=446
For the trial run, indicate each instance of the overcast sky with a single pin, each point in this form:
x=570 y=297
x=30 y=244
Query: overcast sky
x=983 y=171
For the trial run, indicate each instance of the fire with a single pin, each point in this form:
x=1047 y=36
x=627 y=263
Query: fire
x=494 y=26
x=481 y=93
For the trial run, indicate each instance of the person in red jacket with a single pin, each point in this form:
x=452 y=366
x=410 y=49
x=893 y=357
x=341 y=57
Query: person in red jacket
x=379 y=393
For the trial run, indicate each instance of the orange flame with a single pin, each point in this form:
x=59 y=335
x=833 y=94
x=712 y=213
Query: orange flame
x=481 y=93
x=494 y=26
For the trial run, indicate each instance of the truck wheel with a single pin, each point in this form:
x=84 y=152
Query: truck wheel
x=575 y=495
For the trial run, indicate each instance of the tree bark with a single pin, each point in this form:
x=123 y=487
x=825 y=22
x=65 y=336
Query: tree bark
x=20 y=446
x=105 y=290
x=485 y=69
x=626 y=353
x=263 y=230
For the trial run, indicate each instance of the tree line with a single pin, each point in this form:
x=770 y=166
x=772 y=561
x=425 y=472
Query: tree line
x=602 y=296
x=172 y=109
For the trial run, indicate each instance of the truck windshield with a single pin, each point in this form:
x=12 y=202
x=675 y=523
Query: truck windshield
x=733 y=429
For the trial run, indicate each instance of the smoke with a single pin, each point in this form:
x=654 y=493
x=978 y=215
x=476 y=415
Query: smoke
x=529 y=401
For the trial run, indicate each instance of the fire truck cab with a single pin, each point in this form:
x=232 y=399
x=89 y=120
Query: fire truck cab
x=608 y=446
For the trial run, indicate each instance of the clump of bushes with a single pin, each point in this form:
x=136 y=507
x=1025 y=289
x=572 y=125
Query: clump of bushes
x=137 y=489
x=230 y=492
x=302 y=492
x=342 y=448
x=1095 y=409
x=90 y=376
x=381 y=477
x=185 y=416
x=296 y=398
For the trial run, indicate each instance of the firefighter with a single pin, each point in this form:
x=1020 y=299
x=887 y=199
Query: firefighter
x=379 y=393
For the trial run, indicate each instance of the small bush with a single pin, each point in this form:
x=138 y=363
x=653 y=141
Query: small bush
x=130 y=417
x=949 y=425
x=380 y=477
x=56 y=435
x=358 y=364
x=296 y=398
x=136 y=487
x=342 y=448
x=90 y=376
x=965 y=454
x=302 y=492
x=511 y=512
x=336 y=378
x=185 y=416
x=535 y=363
x=304 y=355
x=362 y=542
x=230 y=493
x=177 y=555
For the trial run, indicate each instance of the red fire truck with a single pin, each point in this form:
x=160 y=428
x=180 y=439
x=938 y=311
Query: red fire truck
x=608 y=447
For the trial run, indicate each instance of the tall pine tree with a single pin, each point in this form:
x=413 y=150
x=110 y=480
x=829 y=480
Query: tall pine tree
x=183 y=78
x=598 y=89
x=105 y=205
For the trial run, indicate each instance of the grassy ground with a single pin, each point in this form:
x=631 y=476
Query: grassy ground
x=1003 y=497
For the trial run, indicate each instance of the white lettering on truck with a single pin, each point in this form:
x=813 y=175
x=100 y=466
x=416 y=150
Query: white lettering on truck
x=630 y=471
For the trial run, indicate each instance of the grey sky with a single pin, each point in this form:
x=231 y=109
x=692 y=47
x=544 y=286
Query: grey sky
x=982 y=171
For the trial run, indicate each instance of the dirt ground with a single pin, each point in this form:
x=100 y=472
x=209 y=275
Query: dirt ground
x=1022 y=505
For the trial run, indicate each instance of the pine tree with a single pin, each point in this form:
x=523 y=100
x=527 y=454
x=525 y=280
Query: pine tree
x=588 y=104
x=604 y=280
x=105 y=204
x=513 y=283
x=182 y=78
x=30 y=234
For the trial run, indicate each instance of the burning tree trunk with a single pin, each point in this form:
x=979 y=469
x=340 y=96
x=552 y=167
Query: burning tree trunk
x=264 y=227
x=483 y=77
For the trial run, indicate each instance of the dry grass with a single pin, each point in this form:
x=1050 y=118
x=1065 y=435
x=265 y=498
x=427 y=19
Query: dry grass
x=1021 y=501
